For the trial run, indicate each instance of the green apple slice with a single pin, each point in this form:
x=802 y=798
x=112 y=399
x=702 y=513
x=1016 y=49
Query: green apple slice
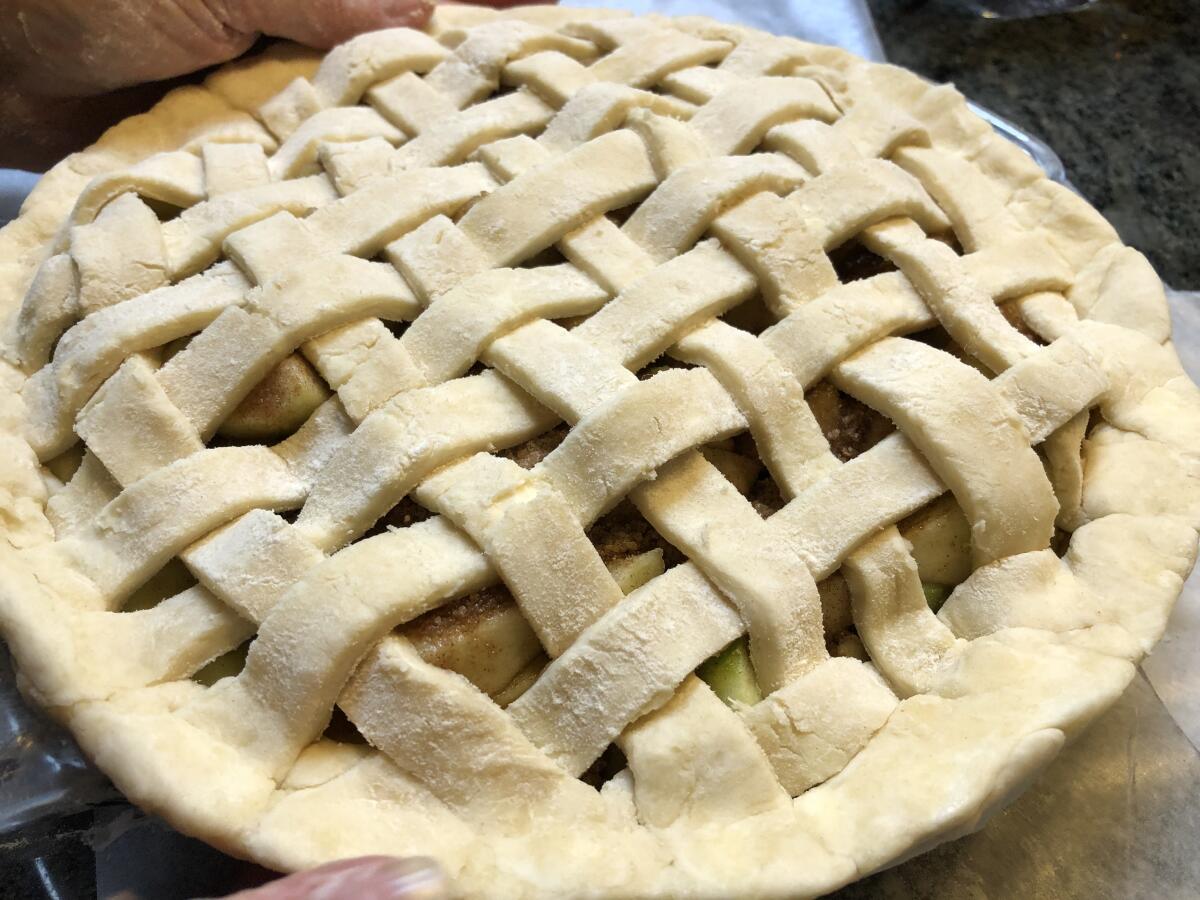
x=731 y=674
x=278 y=405
x=941 y=542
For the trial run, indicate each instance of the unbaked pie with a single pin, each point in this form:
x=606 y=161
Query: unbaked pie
x=615 y=456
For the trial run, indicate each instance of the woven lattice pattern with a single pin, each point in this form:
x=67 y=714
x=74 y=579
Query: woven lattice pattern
x=478 y=238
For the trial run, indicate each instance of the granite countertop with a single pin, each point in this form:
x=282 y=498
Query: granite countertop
x=1114 y=88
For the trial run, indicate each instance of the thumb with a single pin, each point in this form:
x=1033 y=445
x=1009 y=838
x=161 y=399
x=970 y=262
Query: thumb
x=377 y=877
x=324 y=23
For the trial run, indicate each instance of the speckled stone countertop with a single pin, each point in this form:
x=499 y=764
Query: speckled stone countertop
x=1114 y=88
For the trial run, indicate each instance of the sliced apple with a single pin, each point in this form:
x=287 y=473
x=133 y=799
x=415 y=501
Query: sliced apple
x=224 y=666
x=173 y=578
x=935 y=594
x=523 y=680
x=835 y=605
x=483 y=637
x=278 y=405
x=731 y=674
x=851 y=645
x=631 y=572
x=740 y=470
x=941 y=542
x=64 y=465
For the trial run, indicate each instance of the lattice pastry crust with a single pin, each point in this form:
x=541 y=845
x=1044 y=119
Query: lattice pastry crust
x=680 y=169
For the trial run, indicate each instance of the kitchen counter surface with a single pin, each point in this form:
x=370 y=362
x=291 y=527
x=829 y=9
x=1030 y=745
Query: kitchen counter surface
x=1114 y=88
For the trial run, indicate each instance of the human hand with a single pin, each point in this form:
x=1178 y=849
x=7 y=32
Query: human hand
x=55 y=51
x=68 y=48
x=377 y=877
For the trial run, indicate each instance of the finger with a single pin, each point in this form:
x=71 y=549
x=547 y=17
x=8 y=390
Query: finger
x=504 y=4
x=324 y=23
x=378 y=877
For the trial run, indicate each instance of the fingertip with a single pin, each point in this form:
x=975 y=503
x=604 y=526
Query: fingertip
x=410 y=13
x=347 y=18
x=412 y=878
x=326 y=23
x=377 y=877
x=508 y=4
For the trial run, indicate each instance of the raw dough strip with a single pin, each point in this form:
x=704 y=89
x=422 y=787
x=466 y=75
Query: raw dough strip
x=971 y=437
x=963 y=308
x=193 y=239
x=50 y=307
x=95 y=348
x=297 y=156
x=736 y=120
x=362 y=222
x=347 y=72
x=229 y=168
x=787 y=435
x=637 y=55
x=978 y=212
x=119 y=255
x=178 y=178
x=138 y=532
x=462 y=133
x=520 y=521
x=410 y=707
x=281 y=700
x=644 y=652
x=420 y=430
x=604 y=174
x=598 y=108
x=775 y=594
x=447 y=339
x=131 y=426
x=474 y=69
x=169 y=641
x=680 y=210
